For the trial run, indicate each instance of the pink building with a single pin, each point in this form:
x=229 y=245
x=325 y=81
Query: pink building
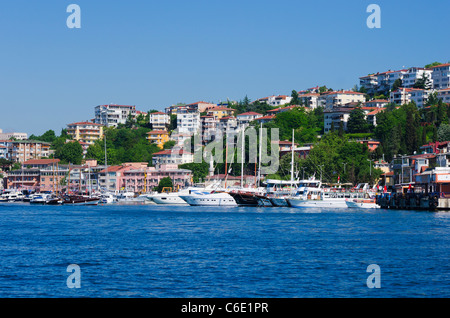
x=139 y=178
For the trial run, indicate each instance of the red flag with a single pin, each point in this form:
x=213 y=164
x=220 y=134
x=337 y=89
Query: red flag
x=385 y=189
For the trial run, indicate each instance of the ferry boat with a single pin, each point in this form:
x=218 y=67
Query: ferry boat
x=311 y=194
x=199 y=198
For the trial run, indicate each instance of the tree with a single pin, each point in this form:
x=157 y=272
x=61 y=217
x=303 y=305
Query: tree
x=71 y=152
x=357 y=122
x=199 y=170
x=423 y=83
x=295 y=100
x=397 y=83
x=443 y=132
x=433 y=64
x=164 y=183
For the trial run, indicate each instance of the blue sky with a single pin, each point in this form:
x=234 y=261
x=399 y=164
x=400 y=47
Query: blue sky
x=156 y=53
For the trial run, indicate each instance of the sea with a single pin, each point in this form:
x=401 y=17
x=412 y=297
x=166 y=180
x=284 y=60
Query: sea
x=113 y=251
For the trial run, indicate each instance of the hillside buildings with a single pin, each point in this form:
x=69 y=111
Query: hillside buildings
x=112 y=115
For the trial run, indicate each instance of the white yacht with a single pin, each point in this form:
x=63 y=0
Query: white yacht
x=171 y=198
x=107 y=198
x=311 y=194
x=12 y=197
x=200 y=198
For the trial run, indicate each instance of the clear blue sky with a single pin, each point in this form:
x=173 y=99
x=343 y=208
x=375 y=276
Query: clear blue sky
x=156 y=53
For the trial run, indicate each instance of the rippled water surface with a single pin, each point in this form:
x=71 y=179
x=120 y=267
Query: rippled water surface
x=155 y=251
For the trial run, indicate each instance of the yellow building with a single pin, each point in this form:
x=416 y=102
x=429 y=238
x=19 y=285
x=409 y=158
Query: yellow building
x=219 y=112
x=86 y=132
x=158 y=137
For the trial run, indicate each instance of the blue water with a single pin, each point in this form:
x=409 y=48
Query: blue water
x=154 y=251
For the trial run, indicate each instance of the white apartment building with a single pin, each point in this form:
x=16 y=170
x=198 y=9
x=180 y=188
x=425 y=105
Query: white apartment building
x=275 y=100
x=159 y=120
x=379 y=103
x=444 y=94
x=334 y=116
x=381 y=82
x=441 y=76
x=341 y=98
x=413 y=74
x=16 y=135
x=188 y=122
x=245 y=118
x=112 y=115
x=4 y=145
x=172 y=156
x=310 y=100
x=403 y=96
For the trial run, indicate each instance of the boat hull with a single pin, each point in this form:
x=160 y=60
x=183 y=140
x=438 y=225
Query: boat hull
x=362 y=205
x=327 y=203
x=209 y=201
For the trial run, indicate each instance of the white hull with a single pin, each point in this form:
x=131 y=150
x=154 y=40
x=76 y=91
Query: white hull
x=209 y=200
x=169 y=199
x=326 y=203
x=362 y=205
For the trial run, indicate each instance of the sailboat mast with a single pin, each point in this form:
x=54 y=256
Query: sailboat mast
x=292 y=159
x=106 y=165
x=242 y=156
x=260 y=152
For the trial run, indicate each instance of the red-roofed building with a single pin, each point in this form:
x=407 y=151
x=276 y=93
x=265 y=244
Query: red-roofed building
x=245 y=118
x=85 y=132
x=340 y=98
x=172 y=156
x=112 y=115
x=159 y=121
x=265 y=119
x=441 y=76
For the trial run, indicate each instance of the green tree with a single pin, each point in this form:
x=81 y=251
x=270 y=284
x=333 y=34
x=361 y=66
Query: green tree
x=397 y=83
x=424 y=82
x=199 y=170
x=164 y=183
x=295 y=100
x=357 y=122
x=443 y=132
x=71 y=152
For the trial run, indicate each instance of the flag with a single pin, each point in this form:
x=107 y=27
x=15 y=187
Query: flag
x=385 y=189
x=339 y=178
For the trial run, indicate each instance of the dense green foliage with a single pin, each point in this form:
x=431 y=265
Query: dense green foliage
x=164 y=183
x=123 y=145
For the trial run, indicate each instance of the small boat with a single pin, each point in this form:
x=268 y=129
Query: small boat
x=54 y=200
x=80 y=200
x=39 y=198
x=108 y=198
x=362 y=203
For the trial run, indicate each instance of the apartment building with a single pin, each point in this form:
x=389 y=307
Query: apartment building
x=441 y=76
x=4 y=145
x=159 y=121
x=341 y=98
x=172 y=156
x=245 y=118
x=381 y=82
x=310 y=100
x=188 y=121
x=209 y=127
x=334 y=116
x=219 y=112
x=13 y=135
x=403 y=96
x=23 y=150
x=378 y=103
x=444 y=94
x=112 y=115
x=86 y=132
x=413 y=74
x=158 y=137
x=275 y=100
